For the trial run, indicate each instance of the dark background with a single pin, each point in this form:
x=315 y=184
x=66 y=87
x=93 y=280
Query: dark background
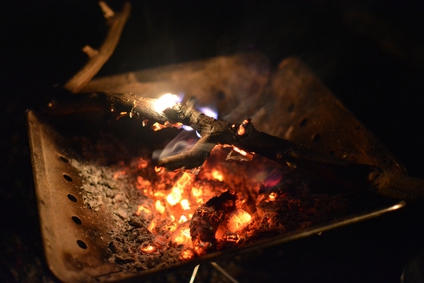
x=369 y=53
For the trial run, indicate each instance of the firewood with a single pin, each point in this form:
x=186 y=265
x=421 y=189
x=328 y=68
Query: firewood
x=246 y=137
x=317 y=165
x=206 y=220
x=97 y=58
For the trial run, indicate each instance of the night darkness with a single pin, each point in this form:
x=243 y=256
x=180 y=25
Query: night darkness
x=369 y=53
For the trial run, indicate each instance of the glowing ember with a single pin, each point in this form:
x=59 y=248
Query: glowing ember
x=185 y=204
x=141 y=209
x=166 y=101
x=172 y=198
x=241 y=130
x=230 y=237
x=175 y=196
x=187 y=254
x=182 y=236
x=186 y=216
x=152 y=226
x=238 y=220
x=176 y=193
x=183 y=219
x=149 y=249
x=217 y=175
x=158 y=126
x=159 y=206
x=246 y=156
x=242 y=152
x=272 y=196
x=118 y=174
x=159 y=169
x=196 y=192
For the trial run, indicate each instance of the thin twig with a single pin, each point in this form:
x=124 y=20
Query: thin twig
x=98 y=59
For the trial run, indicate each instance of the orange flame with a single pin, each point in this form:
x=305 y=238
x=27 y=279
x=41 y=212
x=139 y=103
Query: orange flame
x=176 y=193
x=182 y=236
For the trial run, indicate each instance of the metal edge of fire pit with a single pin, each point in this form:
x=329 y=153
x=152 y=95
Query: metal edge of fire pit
x=75 y=250
x=261 y=245
x=75 y=245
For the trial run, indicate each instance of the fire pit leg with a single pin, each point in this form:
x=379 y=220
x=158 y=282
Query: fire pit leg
x=194 y=274
x=223 y=272
x=217 y=267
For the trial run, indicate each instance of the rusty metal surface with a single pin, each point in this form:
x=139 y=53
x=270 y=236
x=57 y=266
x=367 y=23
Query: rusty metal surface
x=74 y=236
x=291 y=103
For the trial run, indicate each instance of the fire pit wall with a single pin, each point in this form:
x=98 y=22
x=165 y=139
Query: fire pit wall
x=83 y=161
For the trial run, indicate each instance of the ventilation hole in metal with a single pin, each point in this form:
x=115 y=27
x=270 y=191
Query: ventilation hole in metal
x=316 y=138
x=82 y=244
x=77 y=220
x=64 y=159
x=67 y=177
x=303 y=122
x=220 y=95
x=72 y=198
x=291 y=107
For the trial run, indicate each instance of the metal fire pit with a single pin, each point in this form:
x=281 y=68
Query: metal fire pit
x=289 y=102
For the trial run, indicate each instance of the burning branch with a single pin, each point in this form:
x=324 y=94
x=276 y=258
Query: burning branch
x=97 y=58
x=247 y=138
x=244 y=136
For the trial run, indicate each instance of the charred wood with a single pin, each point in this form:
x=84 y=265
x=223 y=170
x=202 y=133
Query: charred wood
x=245 y=136
x=206 y=220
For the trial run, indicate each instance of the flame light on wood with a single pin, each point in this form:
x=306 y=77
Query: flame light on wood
x=165 y=101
